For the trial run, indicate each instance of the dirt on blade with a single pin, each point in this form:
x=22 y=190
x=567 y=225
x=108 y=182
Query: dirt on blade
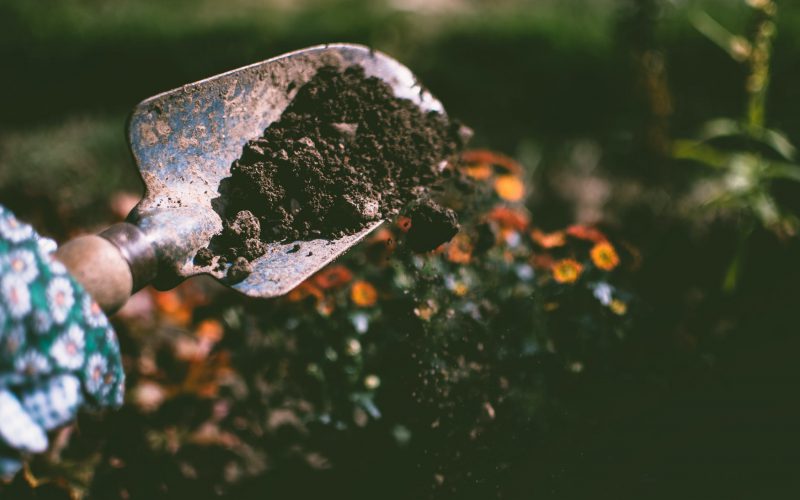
x=344 y=153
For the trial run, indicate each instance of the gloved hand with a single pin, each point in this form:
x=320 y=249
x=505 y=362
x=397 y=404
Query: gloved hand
x=57 y=349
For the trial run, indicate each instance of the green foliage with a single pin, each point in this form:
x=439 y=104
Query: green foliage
x=747 y=156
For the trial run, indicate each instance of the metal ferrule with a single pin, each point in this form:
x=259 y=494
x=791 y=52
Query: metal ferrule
x=136 y=250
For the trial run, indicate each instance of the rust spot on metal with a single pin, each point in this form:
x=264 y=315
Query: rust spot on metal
x=148 y=135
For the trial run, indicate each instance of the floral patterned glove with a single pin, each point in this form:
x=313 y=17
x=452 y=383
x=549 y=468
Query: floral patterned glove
x=57 y=349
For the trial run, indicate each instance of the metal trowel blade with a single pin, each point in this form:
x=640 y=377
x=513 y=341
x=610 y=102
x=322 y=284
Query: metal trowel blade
x=184 y=142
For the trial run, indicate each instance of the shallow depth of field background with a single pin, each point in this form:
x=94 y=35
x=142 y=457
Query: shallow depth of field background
x=703 y=403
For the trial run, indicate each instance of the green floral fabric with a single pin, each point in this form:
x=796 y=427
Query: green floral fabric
x=57 y=348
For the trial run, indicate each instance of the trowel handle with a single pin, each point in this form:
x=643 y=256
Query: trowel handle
x=111 y=266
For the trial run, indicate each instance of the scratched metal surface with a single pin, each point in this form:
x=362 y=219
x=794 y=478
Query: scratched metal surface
x=185 y=140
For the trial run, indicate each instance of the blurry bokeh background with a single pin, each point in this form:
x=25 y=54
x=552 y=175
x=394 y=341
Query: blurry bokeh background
x=527 y=75
x=591 y=96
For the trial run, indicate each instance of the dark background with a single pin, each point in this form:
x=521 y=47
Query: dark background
x=537 y=80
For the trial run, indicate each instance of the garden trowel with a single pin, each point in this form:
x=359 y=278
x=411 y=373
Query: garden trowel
x=184 y=142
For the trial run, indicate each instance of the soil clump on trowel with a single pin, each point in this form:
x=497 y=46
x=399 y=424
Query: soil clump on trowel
x=344 y=153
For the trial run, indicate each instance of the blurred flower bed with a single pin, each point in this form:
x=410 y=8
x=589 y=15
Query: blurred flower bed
x=423 y=370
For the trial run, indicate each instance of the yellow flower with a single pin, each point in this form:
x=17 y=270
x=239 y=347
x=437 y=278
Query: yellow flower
x=566 y=271
x=618 y=307
x=509 y=187
x=460 y=288
x=363 y=294
x=604 y=256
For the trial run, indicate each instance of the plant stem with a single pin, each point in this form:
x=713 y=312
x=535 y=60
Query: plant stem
x=758 y=61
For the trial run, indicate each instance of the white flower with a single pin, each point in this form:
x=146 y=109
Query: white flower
x=31 y=363
x=603 y=293
x=60 y=298
x=92 y=313
x=56 y=267
x=46 y=246
x=67 y=350
x=96 y=374
x=360 y=322
x=22 y=263
x=512 y=238
x=353 y=347
x=13 y=230
x=16 y=295
x=524 y=272
x=111 y=337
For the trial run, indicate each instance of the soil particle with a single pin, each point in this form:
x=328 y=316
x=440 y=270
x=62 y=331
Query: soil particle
x=203 y=257
x=240 y=270
x=344 y=153
x=431 y=225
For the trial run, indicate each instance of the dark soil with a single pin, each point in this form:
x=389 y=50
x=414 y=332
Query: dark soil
x=344 y=153
x=431 y=225
x=239 y=270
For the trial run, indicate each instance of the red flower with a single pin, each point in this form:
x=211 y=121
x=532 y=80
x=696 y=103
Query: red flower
x=482 y=156
x=586 y=233
x=509 y=218
x=332 y=277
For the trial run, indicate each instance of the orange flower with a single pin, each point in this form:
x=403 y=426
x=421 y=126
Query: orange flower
x=210 y=330
x=172 y=305
x=203 y=377
x=586 y=233
x=304 y=290
x=363 y=294
x=332 y=277
x=509 y=218
x=566 y=271
x=509 y=187
x=549 y=240
x=459 y=250
x=483 y=156
x=604 y=256
x=479 y=172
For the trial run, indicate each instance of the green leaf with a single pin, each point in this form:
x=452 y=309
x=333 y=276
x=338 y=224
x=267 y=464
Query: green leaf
x=777 y=170
x=736 y=46
x=780 y=143
x=684 y=149
x=721 y=127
